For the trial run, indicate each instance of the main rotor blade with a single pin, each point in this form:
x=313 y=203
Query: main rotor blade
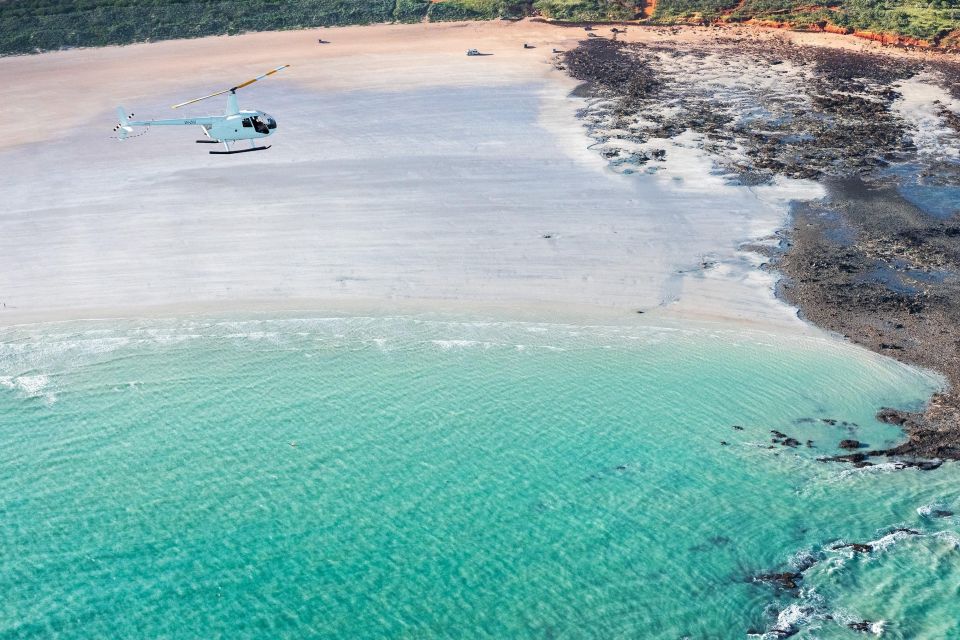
x=268 y=73
x=212 y=95
x=239 y=86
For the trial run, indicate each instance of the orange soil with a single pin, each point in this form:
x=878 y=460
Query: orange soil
x=832 y=28
x=950 y=41
x=889 y=38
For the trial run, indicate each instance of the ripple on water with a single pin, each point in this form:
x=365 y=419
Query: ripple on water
x=428 y=478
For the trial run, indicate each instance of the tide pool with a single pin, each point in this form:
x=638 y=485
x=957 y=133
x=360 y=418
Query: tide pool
x=417 y=477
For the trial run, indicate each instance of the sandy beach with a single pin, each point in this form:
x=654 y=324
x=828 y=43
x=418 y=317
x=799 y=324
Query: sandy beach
x=397 y=177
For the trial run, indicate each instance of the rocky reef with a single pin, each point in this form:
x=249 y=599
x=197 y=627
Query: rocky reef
x=878 y=259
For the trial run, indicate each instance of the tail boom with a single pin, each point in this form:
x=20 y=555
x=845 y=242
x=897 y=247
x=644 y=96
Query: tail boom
x=125 y=125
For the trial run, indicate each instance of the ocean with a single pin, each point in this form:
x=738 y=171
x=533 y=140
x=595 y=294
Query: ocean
x=430 y=476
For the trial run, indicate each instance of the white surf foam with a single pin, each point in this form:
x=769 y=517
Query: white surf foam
x=30 y=386
x=920 y=105
x=949 y=537
x=461 y=344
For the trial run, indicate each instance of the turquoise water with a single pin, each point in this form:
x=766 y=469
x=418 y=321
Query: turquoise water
x=418 y=478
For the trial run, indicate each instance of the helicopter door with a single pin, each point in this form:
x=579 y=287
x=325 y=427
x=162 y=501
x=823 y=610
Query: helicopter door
x=259 y=125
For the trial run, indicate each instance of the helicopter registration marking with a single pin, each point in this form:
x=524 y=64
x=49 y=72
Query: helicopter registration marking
x=189 y=122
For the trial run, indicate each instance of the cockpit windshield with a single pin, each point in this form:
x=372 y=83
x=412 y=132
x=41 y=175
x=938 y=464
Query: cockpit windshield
x=271 y=123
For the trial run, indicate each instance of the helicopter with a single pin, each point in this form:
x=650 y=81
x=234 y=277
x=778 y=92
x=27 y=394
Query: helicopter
x=231 y=127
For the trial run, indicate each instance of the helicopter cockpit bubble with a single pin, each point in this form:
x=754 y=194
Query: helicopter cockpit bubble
x=271 y=123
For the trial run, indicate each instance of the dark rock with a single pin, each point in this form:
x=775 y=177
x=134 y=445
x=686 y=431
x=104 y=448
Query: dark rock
x=860 y=626
x=924 y=465
x=785 y=580
x=911 y=532
x=847 y=457
x=850 y=444
x=855 y=546
x=806 y=561
x=737 y=427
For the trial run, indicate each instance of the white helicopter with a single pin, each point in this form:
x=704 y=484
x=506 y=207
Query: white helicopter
x=234 y=125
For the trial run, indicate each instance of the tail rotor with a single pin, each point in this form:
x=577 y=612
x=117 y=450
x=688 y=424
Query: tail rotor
x=123 y=128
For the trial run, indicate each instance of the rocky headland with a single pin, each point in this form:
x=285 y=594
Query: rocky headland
x=876 y=260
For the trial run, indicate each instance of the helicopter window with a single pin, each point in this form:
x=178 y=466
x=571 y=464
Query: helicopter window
x=259 y=125
x=247 y=123
x=271 y=123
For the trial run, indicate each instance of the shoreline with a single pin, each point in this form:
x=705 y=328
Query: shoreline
x=677 y=145
x=894 y=300
x=585 y=315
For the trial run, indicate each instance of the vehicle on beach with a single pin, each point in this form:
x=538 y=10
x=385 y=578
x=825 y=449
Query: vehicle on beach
x=473 y=52
x=232 y=126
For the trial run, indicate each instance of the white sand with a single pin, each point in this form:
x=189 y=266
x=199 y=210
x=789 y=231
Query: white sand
x=404 y=175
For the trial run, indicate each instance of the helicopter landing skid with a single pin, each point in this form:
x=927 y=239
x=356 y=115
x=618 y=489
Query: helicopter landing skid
x=208 y=142
x=227 y=153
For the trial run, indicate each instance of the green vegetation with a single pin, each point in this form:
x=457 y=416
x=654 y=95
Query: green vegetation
x=476 y=10
x=577 y=10
x=924 y=19
x=27 y=26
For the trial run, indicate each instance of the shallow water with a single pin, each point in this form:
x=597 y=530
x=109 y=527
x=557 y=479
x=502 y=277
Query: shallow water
x=922 y=187
x=414 y=477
